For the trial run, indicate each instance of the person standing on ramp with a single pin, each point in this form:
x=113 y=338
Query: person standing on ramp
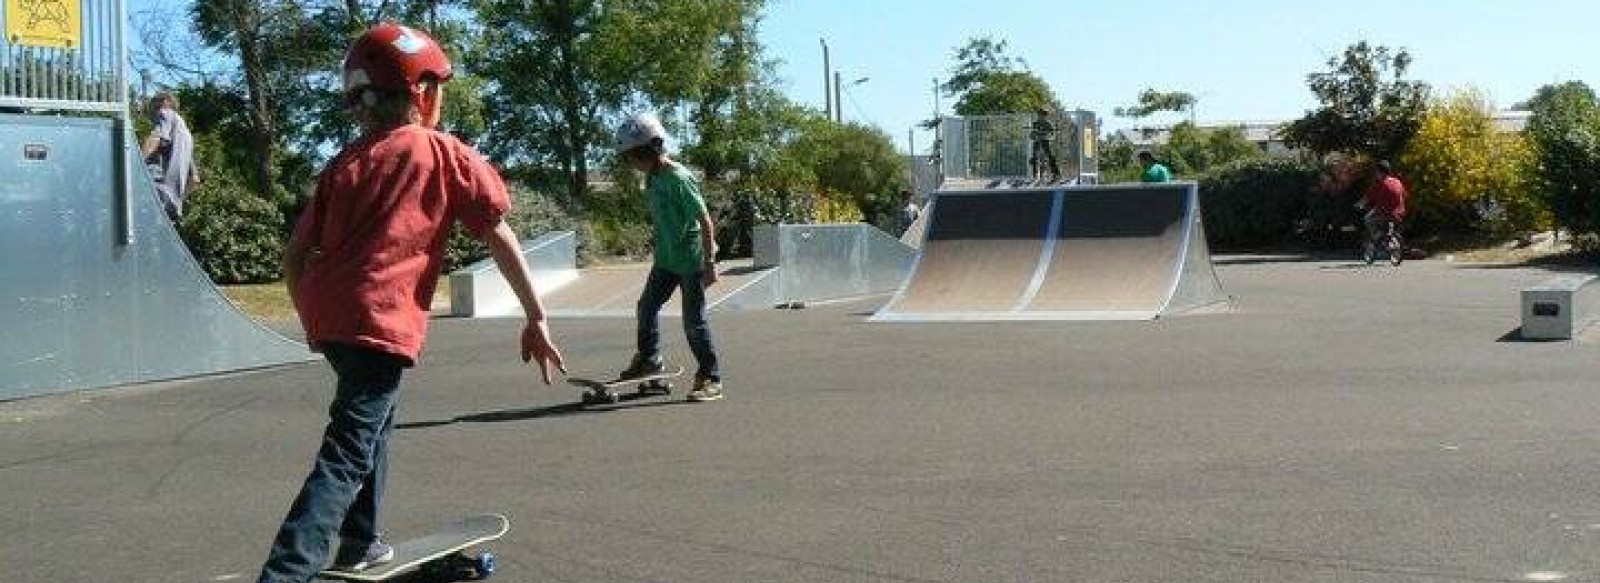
x=361 y=268
x=685 y=255
x=1042 y=132
x=169 y=154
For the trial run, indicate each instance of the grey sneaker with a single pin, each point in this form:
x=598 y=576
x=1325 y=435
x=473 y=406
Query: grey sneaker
x=376 y=554
x=642 y=366
x=705 y=390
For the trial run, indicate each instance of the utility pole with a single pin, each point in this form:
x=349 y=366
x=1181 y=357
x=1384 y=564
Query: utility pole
x=827 y=90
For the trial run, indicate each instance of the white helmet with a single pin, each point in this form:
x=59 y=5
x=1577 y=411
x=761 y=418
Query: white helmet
x=640 y=129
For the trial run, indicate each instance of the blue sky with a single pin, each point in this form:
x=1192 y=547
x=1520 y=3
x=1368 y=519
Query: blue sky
x=1244 y=59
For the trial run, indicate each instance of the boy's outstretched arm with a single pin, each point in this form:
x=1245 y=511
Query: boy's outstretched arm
x=536 y=343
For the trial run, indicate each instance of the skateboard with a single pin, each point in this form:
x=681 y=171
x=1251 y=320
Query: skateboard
x=605 y=392
x=441 y=556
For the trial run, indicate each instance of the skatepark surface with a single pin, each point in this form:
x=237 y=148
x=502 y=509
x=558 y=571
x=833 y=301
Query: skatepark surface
x=1343 y=423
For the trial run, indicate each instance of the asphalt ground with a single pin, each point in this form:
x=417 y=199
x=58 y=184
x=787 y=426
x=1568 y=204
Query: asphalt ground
x=1341 y=424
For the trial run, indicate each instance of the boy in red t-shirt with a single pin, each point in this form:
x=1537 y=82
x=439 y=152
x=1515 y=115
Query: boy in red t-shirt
x=361 y=269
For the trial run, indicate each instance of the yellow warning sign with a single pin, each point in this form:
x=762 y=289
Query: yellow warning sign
x=44 y=23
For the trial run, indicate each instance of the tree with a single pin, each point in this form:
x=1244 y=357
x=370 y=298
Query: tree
x=1463 y=175
x=731 y=117
x=1117 y=164
x=562 y=70
x=852 y=163
x=1368 y=106
x=987 y=81
x=1152 y=101
x=1192 y=150
x=1565 y=133
x=247 y=29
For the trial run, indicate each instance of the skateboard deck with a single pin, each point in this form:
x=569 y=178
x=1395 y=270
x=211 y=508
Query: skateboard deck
x=606 y=391
x=443 y=550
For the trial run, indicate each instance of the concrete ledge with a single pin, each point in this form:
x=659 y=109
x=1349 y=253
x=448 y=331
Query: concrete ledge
x=1560 y=307
x=479 y=290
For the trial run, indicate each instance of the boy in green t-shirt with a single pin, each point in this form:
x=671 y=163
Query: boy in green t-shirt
x=1154 y=172
x=685 y=255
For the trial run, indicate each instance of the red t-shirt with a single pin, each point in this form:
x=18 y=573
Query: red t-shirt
x=1387 y=196
x=377 y=228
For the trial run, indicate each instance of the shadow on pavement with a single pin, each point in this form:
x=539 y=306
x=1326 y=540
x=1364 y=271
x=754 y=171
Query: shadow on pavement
x=629 y=401
x=1515 y=335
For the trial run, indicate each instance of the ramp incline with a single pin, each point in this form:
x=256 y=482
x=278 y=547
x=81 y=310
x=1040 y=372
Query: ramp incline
x=84 y=310
x=1127 y=252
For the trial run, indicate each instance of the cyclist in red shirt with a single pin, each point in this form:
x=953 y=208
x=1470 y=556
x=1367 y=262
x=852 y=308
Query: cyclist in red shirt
x=1385 y=203
x=361 y=268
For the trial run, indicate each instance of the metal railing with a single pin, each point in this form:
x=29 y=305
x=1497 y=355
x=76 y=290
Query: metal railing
x=64 y=55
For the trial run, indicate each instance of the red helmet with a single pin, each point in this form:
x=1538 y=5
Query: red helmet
x=393 y=57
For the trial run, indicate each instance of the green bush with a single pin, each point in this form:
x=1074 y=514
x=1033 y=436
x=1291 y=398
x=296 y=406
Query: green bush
x=1255 y=203
x=1464 y=177
x=235 y=235
x=532 y=215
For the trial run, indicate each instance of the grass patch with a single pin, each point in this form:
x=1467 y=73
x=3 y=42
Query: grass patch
x=270 y=301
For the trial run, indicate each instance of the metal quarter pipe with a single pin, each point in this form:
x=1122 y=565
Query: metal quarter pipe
x=1125 y=252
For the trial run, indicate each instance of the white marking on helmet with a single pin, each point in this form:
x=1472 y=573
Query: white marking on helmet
x=409 y=42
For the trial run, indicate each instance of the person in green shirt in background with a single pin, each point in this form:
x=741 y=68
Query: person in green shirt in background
x=685 y=255
x=1154 y=172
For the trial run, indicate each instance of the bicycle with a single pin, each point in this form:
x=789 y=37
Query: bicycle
x=1388 y=237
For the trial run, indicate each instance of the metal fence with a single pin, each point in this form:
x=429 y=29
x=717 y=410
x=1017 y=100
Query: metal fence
x=1001 y=146
x=63 y=55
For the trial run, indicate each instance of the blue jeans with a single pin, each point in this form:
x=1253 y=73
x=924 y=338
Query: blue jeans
x=658 y=289
x=345 y=487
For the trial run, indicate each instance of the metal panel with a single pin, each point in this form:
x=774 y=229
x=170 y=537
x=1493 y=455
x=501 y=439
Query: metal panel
x=84 y=311
x=480 y=290
x=822 y=262
x=1198 y=285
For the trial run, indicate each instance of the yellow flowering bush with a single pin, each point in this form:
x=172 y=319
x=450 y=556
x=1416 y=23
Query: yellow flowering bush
x=1464 y=175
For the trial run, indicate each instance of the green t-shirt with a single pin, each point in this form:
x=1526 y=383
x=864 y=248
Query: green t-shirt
x=1156 y=173
x=675 y=208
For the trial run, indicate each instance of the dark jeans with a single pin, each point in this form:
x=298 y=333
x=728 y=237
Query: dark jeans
x=657 y=290
x=345 y=487
x=1042 y=152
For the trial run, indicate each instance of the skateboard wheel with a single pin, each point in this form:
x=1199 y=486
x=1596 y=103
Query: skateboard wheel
x=655 y=387
x=485 y=564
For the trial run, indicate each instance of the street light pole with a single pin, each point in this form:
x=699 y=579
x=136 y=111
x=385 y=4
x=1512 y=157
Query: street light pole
x=827 y=90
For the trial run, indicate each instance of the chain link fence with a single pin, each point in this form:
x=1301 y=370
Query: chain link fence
x=1003 y=146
